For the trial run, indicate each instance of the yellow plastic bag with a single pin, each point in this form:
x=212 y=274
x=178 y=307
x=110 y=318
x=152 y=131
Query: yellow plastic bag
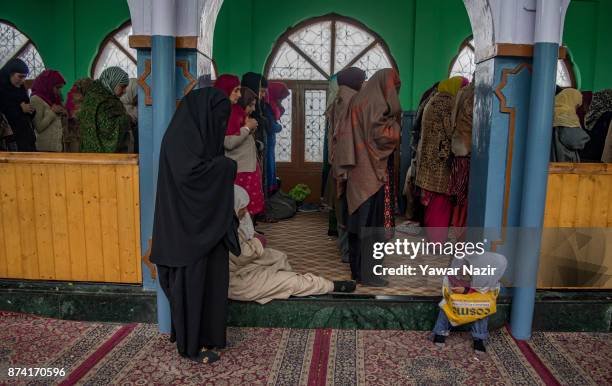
x=467 y=308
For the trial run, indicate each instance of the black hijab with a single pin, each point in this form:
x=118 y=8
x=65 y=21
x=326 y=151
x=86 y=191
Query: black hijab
x=352 y=77
x=11 y=98
x=194 y=208
x=255 y=82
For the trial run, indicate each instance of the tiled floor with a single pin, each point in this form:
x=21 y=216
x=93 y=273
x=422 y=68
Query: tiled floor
x=304 y=239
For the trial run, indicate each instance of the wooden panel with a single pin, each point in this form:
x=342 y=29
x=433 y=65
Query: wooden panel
x=76 y=223
x=136 y=230
x=569 y=199
x=65 y=239
x=27 y=225
x=108 y=222
x=584 y=204
x=10 y=222
x=44 y=226
x=72 y=217
x=553 y=201
x=576 y=250
x=93 y=227
x=126 y=222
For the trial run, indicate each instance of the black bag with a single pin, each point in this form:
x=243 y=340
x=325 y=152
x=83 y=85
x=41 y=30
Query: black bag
x=280 y=206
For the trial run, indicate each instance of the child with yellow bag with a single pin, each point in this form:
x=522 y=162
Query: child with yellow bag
x=470 y=297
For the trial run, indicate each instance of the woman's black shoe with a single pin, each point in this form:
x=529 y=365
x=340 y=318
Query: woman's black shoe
x=346 y=286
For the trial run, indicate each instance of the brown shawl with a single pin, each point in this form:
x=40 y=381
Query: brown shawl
x=462 y=122
x=375 y=114
x=433 y=170
x=342 y=149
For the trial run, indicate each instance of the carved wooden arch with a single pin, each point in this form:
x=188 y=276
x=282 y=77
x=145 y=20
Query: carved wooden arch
x=110 y=38
x=333 y=17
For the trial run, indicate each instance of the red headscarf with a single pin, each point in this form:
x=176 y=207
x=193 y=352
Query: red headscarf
x=43 y=86
x=277 y=91
x=227 y=83
x=236 y=120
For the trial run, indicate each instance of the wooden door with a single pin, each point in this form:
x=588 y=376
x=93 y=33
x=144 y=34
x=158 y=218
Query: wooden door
x=300 y=145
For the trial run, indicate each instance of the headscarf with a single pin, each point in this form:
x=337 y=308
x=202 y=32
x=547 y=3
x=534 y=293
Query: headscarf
x=76 y=94
x=227 y=83
x=15 y=65
x=587 y=97
x=247 y=96
x=277 y=91
x=254 y=81
x=11 y=98
x=241 y=201
x=193 y=173
x=452 y=85
x=375 y=112
x=601 y=104
x=566 y=103
x=113 y=77
x=44 y=86
x=352 y=77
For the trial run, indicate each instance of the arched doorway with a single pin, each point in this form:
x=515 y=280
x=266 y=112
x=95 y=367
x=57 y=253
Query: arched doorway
x=305 y=57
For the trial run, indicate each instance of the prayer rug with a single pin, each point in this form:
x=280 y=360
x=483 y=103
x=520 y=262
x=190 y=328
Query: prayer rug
x=110 y=354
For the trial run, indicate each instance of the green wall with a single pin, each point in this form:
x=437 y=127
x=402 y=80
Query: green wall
x=67 y=33
x=423 y=35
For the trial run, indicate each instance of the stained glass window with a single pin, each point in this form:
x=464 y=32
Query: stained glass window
x=116 y=51
x=14 y=44
x=464 y=65
x=306 y=52
x=314 y=114
x=283 y=139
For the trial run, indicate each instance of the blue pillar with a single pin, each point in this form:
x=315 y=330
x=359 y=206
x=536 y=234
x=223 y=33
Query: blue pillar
x=537 y=158
x=164 y=103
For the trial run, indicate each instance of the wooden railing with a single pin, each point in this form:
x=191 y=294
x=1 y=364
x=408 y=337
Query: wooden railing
x=577 y=241
x=67 y=216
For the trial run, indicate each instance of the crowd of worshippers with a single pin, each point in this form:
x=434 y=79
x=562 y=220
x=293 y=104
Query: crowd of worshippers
x=436 y=187
x=98 y=116
x=207 y=253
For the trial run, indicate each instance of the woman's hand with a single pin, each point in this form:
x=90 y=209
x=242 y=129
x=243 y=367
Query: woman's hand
x=251 y=124
x=59 y=109
x=27 y=108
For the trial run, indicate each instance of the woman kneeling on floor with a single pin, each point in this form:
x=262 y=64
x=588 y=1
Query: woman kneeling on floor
x=263 y=274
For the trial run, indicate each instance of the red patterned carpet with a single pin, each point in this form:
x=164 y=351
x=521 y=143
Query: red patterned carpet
x=109 y=354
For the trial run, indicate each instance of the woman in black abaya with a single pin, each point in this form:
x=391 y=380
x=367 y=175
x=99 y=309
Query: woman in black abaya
x=194 y=225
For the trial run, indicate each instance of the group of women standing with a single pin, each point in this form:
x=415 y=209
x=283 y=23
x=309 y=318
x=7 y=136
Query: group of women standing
x=217 y=139
x=250 y=138
x=364 y=132
x=93 y=119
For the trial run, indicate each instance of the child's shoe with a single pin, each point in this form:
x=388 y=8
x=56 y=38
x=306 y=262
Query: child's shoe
x=439 y=340
x=479 y=346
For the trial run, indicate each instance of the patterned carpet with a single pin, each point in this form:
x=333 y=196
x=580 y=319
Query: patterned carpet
x=309 y=249
x=108 y=354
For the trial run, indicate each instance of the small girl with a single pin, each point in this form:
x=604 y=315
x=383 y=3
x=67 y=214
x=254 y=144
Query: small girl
x=465 y=284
